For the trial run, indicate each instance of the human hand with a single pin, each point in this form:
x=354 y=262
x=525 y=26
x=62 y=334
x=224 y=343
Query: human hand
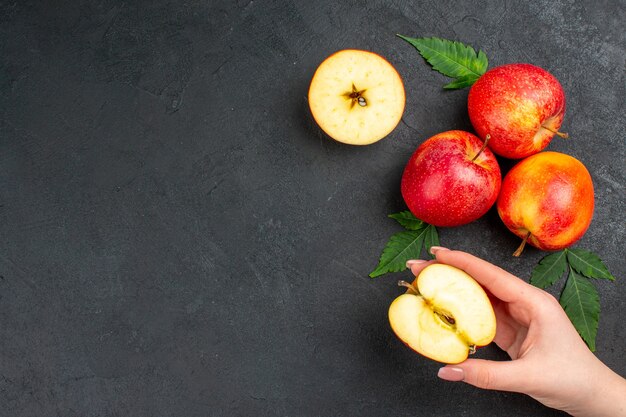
x=550 y=362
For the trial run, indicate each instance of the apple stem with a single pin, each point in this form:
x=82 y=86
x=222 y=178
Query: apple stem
x=519 y=250
x=483 y=147
x=411 y=288
x=556 y=132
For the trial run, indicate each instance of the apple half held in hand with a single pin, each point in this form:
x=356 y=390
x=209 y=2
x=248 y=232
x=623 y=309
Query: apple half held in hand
x=356 y=97
x=444 y=314
x=521 y=106
x=451 y=179
x=547 y=200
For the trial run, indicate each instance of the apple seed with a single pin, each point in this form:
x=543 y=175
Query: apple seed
x=446 y=319
x=356 y=96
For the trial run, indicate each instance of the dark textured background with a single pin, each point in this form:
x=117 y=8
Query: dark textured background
x=178 y=238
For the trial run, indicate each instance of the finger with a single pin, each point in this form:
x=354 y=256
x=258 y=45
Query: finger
x=507 y=329
x=499 y=282
x=417 y=266
x=503 y=376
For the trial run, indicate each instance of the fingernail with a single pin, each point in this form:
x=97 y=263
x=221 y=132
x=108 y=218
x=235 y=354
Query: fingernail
x=412 y=262
x=434 y=249
x=449 y=373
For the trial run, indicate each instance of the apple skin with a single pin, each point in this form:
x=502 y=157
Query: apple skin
x=521 y=106
x=441 y=184
x=550 y=195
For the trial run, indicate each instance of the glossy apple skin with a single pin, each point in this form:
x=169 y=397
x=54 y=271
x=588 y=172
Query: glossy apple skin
x=511 y=103
x=441 y=184
x=550 y=195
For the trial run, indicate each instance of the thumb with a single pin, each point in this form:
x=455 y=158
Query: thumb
x=503 y=376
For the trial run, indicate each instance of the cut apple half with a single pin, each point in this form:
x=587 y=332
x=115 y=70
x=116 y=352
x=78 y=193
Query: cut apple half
x=356 y=97
x=444 y=315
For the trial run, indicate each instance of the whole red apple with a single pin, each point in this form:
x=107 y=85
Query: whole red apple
x=521 y=106
x=547 y=200
x=451 y=179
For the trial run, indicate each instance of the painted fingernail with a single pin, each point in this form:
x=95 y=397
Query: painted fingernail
x=434 y=249
x=412 y=262
x=449 y=373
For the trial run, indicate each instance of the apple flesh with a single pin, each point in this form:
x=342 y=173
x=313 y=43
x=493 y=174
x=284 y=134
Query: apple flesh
x=452 y=179
x=444 y=314
x=521 y=106
x=547 y=200
x=356 y=97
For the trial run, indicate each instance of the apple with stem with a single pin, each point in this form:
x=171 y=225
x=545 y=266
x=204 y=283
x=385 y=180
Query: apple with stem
x=547 y=200
x=444 y=315
x=356 y=97
x=451 y=179
x=521 y=106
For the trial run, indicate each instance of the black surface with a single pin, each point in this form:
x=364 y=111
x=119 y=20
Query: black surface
x=178 y=238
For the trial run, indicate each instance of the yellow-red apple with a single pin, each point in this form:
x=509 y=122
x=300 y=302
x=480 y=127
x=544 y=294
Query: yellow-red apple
x=452 y=179
x=521 y=106
x=356 y=97
x=443 y=315
x=547 y=200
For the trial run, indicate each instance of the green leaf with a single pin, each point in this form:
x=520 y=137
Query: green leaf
x=461 y=82
x=549 y=270
x=431 y=239
x=452 y=59
x=407 y=220
x=588 y=264
x=581 y=302
x=400 y=248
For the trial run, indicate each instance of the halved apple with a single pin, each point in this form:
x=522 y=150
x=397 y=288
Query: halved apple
x=356 y=97
x=444 y=314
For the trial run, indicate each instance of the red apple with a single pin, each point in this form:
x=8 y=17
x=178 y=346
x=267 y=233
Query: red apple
x=451 y=179
x=547 y=200
x=521 y=106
